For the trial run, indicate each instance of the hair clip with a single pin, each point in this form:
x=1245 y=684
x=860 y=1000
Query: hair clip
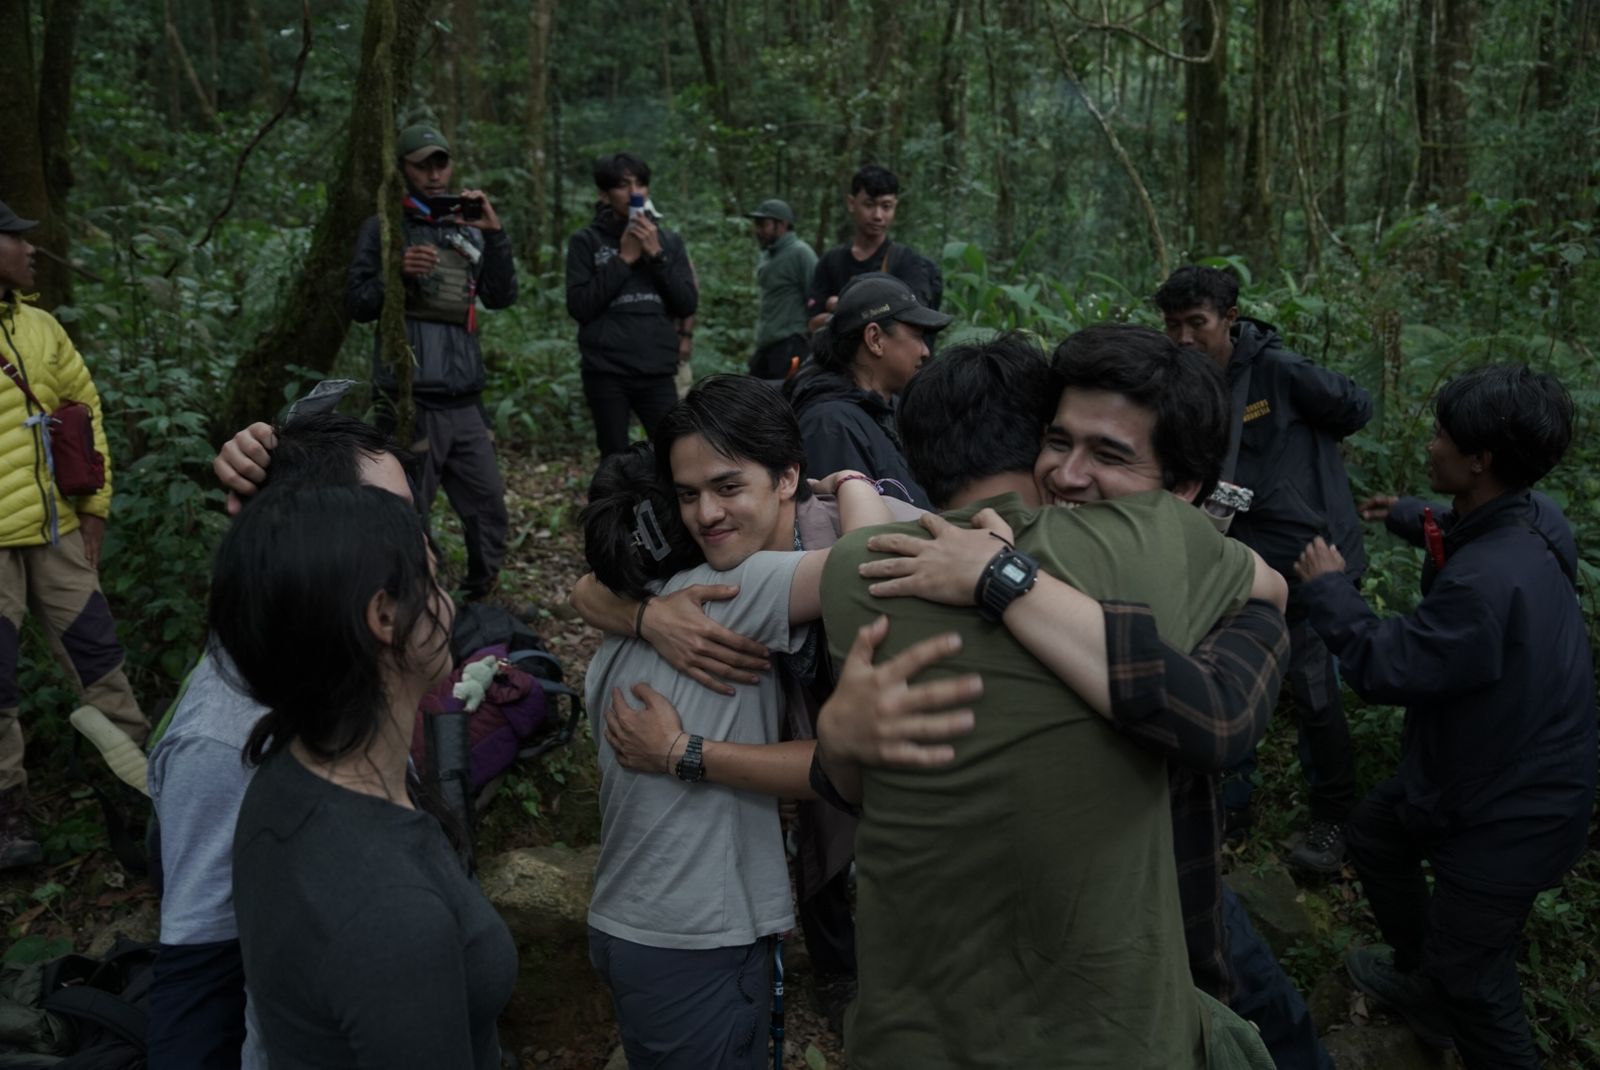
x=647 y=532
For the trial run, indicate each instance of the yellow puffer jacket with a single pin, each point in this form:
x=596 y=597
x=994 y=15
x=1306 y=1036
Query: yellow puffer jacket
x=33 y=341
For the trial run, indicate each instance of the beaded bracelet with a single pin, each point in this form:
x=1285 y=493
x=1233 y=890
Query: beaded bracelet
x=875 y=484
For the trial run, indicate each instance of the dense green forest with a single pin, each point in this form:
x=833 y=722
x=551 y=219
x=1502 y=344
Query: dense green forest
x=1407 y=188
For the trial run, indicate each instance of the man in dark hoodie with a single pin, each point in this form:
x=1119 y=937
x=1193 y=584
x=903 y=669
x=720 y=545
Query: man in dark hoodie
x=451 y=262
x=1289 y=417
x=1497 y=760
x=630 y=286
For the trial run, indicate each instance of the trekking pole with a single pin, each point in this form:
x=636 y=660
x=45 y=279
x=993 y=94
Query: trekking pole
x=777 y=1003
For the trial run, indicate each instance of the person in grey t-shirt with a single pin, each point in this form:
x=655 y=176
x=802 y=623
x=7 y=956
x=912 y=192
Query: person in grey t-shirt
x=200 y=1018
x=692 y=878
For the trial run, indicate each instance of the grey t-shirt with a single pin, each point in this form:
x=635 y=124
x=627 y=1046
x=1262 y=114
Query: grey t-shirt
x=197 y=780
x=695 y=865
x=365 y=941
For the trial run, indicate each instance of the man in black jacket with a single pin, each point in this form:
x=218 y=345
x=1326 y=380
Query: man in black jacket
x=630 y=286
x=1497 y=760
x=451 y=262
x=1291 y=416
x=874 y=199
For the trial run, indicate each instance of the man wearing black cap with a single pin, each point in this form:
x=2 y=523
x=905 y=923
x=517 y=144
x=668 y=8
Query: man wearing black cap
x=845 y=395
x=49 y=540
x=455 y=256
x=783 y=276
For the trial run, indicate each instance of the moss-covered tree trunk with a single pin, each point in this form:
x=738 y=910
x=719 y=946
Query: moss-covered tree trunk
x=311 y=323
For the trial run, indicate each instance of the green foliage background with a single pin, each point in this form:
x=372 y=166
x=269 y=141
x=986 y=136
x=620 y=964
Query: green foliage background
x=1036 y=224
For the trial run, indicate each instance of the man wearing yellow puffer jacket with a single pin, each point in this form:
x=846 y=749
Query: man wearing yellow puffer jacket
x=49 y=545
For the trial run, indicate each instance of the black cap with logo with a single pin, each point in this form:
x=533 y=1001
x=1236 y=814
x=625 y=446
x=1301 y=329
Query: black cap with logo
x=877 y=295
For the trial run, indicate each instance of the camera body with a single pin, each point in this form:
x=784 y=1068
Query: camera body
x=463 y=208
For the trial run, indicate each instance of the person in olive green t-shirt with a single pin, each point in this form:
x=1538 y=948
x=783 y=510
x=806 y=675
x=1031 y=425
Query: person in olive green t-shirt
x=783 y=275
x=1018 y=907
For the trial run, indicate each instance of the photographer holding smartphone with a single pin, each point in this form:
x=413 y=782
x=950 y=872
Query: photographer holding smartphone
x=632 y=289
x=456 y=254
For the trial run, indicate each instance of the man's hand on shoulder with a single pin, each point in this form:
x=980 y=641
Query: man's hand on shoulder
x=241 y=465
x=945 y=568
x=875 y=716
x=677 y=627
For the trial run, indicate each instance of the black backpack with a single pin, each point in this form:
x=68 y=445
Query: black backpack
x=105 y=1005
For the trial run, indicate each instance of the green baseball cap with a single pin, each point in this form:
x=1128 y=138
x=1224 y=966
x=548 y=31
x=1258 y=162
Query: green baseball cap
x=419 y=141
x=12 y=223
x=772 y=208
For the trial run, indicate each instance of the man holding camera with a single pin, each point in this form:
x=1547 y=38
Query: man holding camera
x=456 y=254
x=1291 y=415
x=50 y=539
x=632 y=289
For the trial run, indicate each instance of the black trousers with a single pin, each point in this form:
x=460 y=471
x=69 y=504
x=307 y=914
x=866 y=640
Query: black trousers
x=773 y=360
x=1463 y=940
x=612 y=397
x=829 y=928
x=1326 y=756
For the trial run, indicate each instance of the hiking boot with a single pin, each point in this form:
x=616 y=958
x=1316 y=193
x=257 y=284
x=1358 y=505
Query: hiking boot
x=834 y=994
x=18 y=848
x=1321 y=850
x=1409 y=995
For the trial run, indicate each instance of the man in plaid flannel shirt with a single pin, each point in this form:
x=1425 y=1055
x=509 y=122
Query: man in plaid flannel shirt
x=1203 y=709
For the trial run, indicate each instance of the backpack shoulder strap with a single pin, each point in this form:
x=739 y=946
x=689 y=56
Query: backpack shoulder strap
x=110 y=1012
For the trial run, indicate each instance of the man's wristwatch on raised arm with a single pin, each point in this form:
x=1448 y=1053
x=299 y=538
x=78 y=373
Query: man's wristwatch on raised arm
x=691 y=766
x=1009 y=575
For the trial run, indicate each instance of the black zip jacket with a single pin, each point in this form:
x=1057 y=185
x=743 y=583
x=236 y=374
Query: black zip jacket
x=1295 y=415
x=845 y=426
x=1497 y=758
x=627 y=313
x=449 y=364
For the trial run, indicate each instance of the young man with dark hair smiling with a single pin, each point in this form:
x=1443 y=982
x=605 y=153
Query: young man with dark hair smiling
x=1130 y=400
x=1046 y=842
x=1497 y=758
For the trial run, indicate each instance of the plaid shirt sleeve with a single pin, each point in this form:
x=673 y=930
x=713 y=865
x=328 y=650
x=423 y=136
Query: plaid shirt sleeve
x=1204 y=710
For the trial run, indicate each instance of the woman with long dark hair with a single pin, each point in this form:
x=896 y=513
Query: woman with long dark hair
x=365 y=942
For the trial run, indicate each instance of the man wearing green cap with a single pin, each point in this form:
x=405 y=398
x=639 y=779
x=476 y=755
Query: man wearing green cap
x=783 y=275
x=454 y=257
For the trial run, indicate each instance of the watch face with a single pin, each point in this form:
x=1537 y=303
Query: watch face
x=1013 y=572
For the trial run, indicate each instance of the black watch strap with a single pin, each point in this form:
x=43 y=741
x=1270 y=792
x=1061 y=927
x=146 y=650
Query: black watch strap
x=1009 y=575
x=691 y=765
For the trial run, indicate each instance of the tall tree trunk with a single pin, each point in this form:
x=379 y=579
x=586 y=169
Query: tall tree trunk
x=541 y=21
x=311 y=322
x=700 y=16
x=23 y=184
x=1443 y=59
x=258 y=38
x=1205 y=92
x=1255 y=209
x=949 y=86
x=1337 y=196
x=55 y=123
x=477 y=105
x=180 y=57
